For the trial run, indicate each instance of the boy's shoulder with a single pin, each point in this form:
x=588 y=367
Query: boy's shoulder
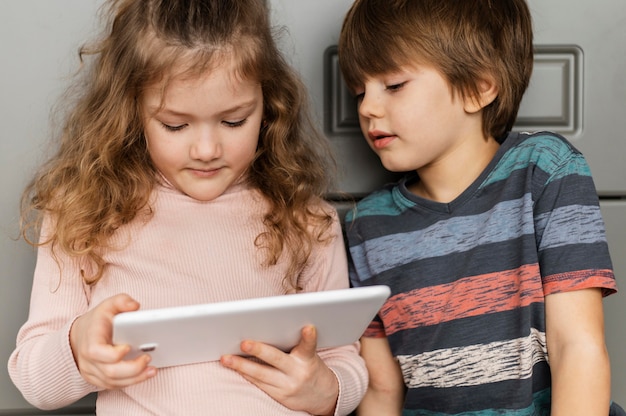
x=543 y=153
x=544 y=149
x=540 y=141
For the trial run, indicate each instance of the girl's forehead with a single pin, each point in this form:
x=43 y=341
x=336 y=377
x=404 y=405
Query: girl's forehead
x=196 y=69
x=219 y=86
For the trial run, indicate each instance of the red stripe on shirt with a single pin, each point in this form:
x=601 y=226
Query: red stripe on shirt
x=471 y=296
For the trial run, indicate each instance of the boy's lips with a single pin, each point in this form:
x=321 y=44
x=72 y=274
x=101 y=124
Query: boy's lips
x=380 y=139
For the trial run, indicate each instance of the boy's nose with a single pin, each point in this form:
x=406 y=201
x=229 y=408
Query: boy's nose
x=370 y=106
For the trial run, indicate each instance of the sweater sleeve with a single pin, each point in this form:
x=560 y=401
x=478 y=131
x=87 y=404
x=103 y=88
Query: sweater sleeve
x=328 y=270
x=42 y=365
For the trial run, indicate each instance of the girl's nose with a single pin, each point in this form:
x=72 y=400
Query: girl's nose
x=206 y=146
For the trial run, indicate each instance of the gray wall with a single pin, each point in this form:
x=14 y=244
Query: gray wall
x=38 y=46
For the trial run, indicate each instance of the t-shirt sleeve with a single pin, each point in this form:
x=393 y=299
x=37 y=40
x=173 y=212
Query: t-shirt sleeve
x=570 y=232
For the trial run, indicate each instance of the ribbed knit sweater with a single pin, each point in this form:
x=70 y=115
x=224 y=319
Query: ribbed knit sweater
x=189 y=252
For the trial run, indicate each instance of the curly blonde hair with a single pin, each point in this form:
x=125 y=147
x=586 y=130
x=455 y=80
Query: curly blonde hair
x=101 y=176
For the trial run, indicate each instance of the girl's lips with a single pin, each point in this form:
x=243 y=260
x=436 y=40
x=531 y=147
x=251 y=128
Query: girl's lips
x=205 y=173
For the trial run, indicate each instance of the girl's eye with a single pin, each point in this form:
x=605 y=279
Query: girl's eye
x=235 y=123
x=173 y=128
x=359 y=97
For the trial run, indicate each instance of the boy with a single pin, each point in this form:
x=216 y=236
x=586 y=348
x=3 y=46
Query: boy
x=494 y=245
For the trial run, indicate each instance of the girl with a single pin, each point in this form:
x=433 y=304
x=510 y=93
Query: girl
x=186 y=173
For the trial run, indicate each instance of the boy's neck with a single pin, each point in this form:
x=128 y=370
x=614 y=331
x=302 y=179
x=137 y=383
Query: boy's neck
x=445 y=181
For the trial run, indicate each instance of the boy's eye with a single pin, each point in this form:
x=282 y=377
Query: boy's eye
x=173 y=128
x=238 y=123
x=395 y=87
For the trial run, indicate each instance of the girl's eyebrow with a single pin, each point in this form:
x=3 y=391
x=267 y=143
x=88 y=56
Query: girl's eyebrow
x=172 y=112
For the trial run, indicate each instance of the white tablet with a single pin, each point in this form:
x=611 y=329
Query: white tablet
x=195 y=333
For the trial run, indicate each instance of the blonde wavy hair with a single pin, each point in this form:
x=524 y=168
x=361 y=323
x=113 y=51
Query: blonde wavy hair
x=101 y=176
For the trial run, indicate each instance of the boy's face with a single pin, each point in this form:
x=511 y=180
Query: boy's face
x=205 y=136
x=412 y=119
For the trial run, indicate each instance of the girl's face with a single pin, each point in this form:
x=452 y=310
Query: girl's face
x=205 y=135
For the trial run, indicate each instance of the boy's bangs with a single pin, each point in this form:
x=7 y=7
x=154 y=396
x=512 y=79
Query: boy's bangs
x=364 y=49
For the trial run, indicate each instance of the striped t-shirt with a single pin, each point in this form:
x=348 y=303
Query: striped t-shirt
x=469 y=278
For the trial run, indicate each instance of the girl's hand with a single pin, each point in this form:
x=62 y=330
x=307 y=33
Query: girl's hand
x=299 y=380
x=99 y=362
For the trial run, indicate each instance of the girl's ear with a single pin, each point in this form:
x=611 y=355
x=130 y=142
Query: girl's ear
x=487 y=92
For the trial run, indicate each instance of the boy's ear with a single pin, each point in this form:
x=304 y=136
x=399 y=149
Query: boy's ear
x=487 y=92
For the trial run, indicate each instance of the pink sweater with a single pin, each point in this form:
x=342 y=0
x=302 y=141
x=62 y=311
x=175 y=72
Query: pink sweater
x=189 y=252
